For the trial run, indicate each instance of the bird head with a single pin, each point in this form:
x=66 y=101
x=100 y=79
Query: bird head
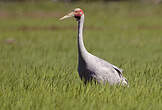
x=76 y=13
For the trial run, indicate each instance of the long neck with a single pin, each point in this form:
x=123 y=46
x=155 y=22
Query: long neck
x=82 y=52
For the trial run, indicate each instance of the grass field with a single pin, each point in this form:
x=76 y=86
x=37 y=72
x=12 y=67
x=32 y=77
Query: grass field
x=38 y=56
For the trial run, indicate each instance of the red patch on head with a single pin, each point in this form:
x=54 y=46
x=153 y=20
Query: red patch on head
x=79 y=12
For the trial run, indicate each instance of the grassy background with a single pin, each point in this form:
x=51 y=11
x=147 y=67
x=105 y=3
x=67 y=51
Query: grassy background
x=38 y=56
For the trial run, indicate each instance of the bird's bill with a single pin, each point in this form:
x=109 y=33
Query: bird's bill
x=67 y=16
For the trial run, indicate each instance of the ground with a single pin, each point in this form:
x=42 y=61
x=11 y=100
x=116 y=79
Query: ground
x=38 y=56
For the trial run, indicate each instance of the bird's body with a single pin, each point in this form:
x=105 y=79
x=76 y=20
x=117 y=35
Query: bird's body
x=91 y=67
x=101 y=71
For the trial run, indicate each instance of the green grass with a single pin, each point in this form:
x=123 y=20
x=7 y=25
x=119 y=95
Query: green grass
x=38 y=56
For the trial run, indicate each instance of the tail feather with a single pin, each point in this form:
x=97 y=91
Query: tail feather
x=124 y=82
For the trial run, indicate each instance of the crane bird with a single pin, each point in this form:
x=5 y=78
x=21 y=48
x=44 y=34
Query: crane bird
x=91 y=67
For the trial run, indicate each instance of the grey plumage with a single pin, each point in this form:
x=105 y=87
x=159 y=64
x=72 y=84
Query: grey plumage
x=91 y=67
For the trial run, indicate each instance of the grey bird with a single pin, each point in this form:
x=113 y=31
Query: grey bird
x=91 y=67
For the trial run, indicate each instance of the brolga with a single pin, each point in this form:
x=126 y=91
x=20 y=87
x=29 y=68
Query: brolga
x=91 y=67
